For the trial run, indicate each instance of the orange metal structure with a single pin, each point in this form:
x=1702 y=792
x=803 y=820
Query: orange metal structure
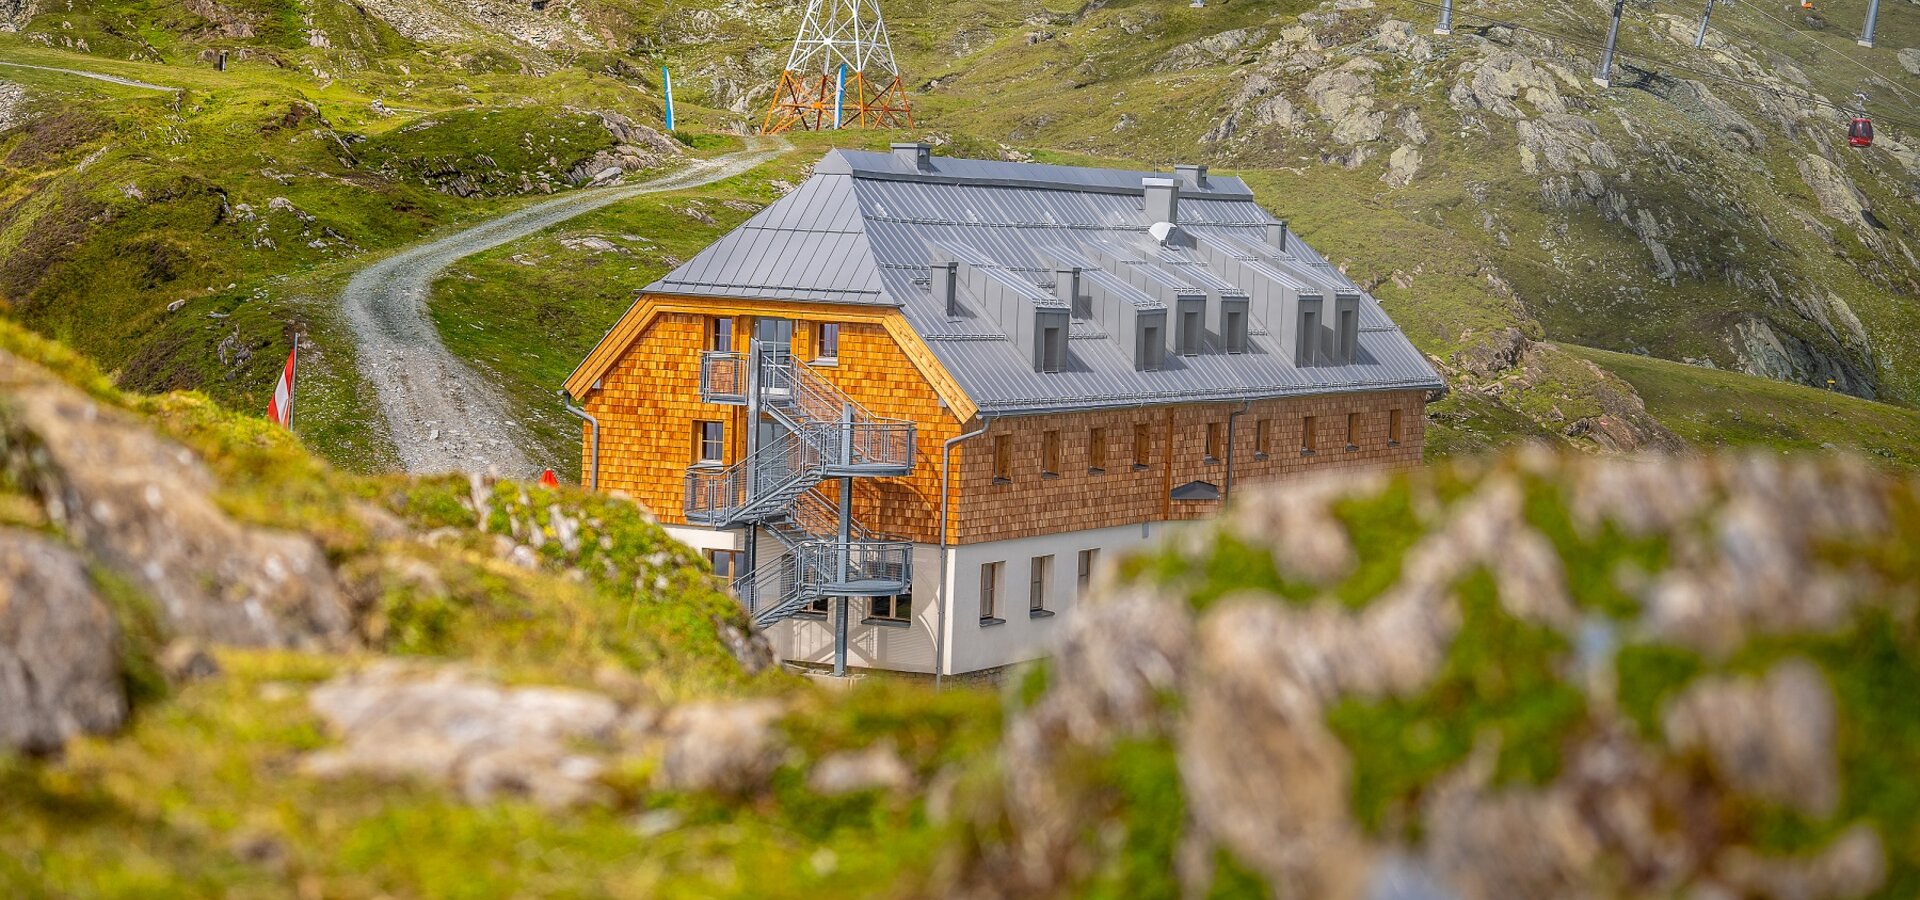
x=807 y=102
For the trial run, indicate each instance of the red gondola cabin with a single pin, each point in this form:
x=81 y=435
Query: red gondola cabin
x=1860 y=132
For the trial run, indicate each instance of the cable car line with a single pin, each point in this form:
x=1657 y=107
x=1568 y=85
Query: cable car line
x=1825 y=47
x=1702 y=73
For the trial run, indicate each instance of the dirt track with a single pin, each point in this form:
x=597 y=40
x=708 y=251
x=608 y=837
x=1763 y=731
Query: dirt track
x=442 y=415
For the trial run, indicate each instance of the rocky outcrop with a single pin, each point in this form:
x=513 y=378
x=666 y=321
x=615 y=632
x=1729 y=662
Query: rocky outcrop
x=1769 y=352
x=1519 y=705
x=1560 y=392
x=1910 y=60
x=145 y=507
x=60 y=673
x=15 y=14
x=1837 y=194
x=1211 y=50
x=1345 y=99
x=637 y=148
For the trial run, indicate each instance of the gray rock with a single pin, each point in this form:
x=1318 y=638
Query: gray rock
x=1910 y=59
x=716 y=746
x=877 y=767
x=59 y=648
x=447 y=726
x=1402 y=166
x=1212 y=50
x=144 y=506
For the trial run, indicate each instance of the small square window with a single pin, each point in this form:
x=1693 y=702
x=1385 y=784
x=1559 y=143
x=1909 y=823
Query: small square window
x=826 y=341
x=709 y=443
x=726 y=563
x=1002 y=458
x=897 y=608
x=818 y=607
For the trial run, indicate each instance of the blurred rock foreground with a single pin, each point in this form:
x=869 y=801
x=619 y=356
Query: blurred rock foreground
x=1535 y=676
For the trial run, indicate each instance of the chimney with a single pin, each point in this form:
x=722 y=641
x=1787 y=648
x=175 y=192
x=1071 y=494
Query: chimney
x=1277 y=235
x=941 y=278
x=1193 y=176
x=1162 y=200
x=918 y=157
x=1066 y=286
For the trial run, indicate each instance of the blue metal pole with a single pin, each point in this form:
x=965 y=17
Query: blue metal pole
x=666 y=78
x=1446 y=18
x=840 y=96
x=1873 y=12
x=1605 y=76
x=1700 y=40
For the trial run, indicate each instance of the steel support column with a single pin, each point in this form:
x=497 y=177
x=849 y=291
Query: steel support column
x=1605 y=76
x=1446 y=18
x=846 y=543
x=1700 y=40
x=1873 y=12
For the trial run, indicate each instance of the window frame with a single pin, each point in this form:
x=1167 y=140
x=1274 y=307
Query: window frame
x=1097 y=450
x=1309 y=435
x=1214 y=448
x=1353 y=431
x=735 y=558
x=1003 y=459
x=715 y=333
x=1393 y=428
x=1050 y=453
x=1262 y=438
x=1083 y=569
x=891 y=609
x=826 y=335
x=990 y=592
x=701 y=440
x=1142 y=447
x=1039 y=585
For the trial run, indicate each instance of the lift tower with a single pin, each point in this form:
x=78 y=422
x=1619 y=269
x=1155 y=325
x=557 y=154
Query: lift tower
x=840 y=72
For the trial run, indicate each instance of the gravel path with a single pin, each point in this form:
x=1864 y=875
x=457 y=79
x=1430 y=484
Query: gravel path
x=97 y=76
x=443 y=415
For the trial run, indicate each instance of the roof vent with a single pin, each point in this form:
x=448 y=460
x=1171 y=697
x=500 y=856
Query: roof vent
x=1162 y=200
x=918 y=157
x=1194 y=176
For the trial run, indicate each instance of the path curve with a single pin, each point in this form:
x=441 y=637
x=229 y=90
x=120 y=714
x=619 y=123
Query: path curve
x=442 y=415
x=97 y=76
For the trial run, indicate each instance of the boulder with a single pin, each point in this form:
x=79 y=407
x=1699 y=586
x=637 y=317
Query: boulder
x=60 y=670
x=146 y=507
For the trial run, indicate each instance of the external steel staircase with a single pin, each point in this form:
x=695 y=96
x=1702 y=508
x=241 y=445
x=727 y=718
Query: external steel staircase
x=822 y=435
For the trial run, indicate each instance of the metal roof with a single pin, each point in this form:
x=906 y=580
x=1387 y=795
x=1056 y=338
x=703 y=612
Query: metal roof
x=866 y=226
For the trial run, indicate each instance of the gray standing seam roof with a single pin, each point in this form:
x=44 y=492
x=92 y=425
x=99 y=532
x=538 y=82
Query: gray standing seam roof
x=865 y=227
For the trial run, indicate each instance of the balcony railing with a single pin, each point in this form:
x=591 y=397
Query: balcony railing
x=723 y=377
x=857 y=567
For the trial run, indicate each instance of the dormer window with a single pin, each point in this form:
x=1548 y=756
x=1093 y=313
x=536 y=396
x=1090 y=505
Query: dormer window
x=1234 y=328
x=1053 y=348
x=1150 y=342
x=1193 y=328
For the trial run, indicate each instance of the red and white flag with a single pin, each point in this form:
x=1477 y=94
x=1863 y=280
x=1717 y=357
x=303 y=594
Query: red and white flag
x=280 y=408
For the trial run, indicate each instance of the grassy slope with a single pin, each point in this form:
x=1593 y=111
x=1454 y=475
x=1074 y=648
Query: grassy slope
x=201 y=796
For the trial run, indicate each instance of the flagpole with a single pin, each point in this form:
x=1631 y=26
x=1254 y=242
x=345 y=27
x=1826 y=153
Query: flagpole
x=293 y=367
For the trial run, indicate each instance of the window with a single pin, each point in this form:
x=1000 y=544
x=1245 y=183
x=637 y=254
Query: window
x=898 y=608
x=1393 y=427
x=1152 y=350
x=1087 y=558
x=720 y=335
x=1050 y=453
x=726 y=563
x=1053 y=348
x=1142 y=446
x=826 y=341
x=1096 y=450
x=1353 y=431
x=1308 y=442
x=1216 y=442
x=1262 y=438
x=709 y=443
x=1038 y=574
x=989 y=592
x=1002 y=458
x=1309 y=337
x=1190 y=331
x=1235 y=324
x=816 y=608
x=1349 y=337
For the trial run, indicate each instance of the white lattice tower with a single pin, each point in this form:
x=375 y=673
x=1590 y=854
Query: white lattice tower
x=849 y=32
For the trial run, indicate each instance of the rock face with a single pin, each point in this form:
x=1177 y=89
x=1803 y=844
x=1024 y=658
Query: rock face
x=144 y=506
x=450 y=727
x=1542 y=676
x=59 y=648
